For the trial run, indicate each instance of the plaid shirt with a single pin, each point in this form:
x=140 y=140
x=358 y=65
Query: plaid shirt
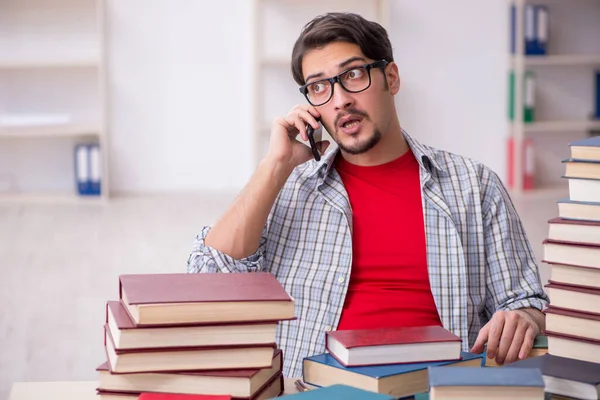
x=478 y=256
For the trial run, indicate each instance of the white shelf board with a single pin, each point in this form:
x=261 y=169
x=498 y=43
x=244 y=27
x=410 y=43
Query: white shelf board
x=62 y=130
x=50 y=198
x=49 y=63
x=562 y=59
x=560 y=126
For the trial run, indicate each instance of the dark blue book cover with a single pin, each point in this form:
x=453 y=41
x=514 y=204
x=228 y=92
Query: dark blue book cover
x=563 y=368
x=338 y=392
x=593 y=141
x=467 y=376
x=383 y=371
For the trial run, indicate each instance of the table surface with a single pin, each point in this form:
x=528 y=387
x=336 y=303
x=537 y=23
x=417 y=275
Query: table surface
x=82 y=390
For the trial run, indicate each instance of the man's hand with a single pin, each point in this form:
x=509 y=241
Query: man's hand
x=284 y=146
x=509 y=334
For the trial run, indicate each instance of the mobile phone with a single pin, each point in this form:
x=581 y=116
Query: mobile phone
x=314 y=136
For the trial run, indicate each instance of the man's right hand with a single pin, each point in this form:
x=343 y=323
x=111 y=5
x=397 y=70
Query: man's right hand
x=284 y=147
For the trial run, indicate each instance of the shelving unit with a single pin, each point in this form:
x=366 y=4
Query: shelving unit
x=52 y=62
x=280 y=21
x=555 y=59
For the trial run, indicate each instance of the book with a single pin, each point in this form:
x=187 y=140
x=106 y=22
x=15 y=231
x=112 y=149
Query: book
x=572 y=297
x=241 y=383
x=571 y=346
x=574 y=275
x=272 y=389
x=393 y=345
x=574 y=231
x=155 y=299
x=395 y=379
x=571 y=253
x=566 y=376
x=575 y=323
x=186 y=358
x=584 y=189
x=586 y=149
x=107 y=395
x=585 y=169
x=127 y=335
x=170 y=396
x=579 y=210
x=338 y=392
x=485 y=383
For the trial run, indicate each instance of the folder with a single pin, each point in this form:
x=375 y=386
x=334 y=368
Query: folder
x=82 y=169
x=95 y=178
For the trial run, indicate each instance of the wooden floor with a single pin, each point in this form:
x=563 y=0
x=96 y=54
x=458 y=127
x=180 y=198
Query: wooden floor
x=59 y=265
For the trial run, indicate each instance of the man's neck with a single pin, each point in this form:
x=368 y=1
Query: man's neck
x=391 y=146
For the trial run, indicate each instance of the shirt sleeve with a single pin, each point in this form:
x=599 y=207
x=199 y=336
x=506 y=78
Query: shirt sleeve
x=513 y=279
x=204 y=258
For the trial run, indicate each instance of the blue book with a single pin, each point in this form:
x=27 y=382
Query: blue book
x=541 y=26
x=593 y=141
x=338 y=392
x=565 y=376
x=425 y=396
x=531 y=44
x=483 y=378
x=396 y=379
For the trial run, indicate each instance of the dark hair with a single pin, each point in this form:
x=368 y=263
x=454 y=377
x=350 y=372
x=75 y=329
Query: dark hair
x=371 y=37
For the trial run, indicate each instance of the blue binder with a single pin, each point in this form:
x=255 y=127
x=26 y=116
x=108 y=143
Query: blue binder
x=82 y=169
x=95 y=159
x=597 y=114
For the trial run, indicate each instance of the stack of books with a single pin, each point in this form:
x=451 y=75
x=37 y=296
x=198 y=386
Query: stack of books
x=392 y=361
x=210 y=334
x=572 y=250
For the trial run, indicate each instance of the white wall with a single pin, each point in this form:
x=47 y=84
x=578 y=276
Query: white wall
x=180 y=90
x=452 y=58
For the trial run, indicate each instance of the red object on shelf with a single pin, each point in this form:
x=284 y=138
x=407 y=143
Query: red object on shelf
x=528 y=164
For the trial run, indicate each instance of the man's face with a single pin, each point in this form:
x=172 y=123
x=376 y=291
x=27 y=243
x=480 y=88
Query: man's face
x=356 y=121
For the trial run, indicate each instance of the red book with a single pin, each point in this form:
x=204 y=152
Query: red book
x=154 y=299
x=167 y=396
x=573 y=297
x=393 y=345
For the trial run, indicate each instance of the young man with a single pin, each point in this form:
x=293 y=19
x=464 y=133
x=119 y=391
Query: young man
x=384 y=231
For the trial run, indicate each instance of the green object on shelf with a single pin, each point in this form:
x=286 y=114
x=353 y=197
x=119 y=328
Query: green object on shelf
x=528 y=96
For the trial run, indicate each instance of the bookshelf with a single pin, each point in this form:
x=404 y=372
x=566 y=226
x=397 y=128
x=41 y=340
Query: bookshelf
x=276 y=26
x=563 y=105
x=53 y=92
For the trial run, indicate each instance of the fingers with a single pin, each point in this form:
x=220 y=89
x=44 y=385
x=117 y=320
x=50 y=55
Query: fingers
x=511 y=324
x=298 y=118
x=495 y=330
x=527 y=345
x=481 y=340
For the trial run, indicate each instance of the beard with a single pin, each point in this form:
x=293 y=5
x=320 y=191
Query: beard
x=354 y=146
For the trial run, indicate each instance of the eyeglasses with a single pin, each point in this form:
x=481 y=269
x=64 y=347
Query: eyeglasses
x=353 y=80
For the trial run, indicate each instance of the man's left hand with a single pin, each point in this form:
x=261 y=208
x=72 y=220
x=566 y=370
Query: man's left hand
x=509 y=335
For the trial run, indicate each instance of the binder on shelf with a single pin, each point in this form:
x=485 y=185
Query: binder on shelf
x=542 y=29
x=82 y=169
x=531 y=44
x=528 y=96
x=536 y=29
x=528 y=163
x=95 y=169
x=88 y=169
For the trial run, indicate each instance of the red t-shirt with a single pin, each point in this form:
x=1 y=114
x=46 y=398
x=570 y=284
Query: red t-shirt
x=389 y=284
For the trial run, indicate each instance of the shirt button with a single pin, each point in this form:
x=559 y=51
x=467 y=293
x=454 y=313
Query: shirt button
x=328 y=329
x=341 y=279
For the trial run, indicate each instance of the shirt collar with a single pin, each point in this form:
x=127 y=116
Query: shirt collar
x=424 y=155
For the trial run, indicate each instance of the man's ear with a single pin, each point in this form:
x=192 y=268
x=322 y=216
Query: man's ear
x=393 y=78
